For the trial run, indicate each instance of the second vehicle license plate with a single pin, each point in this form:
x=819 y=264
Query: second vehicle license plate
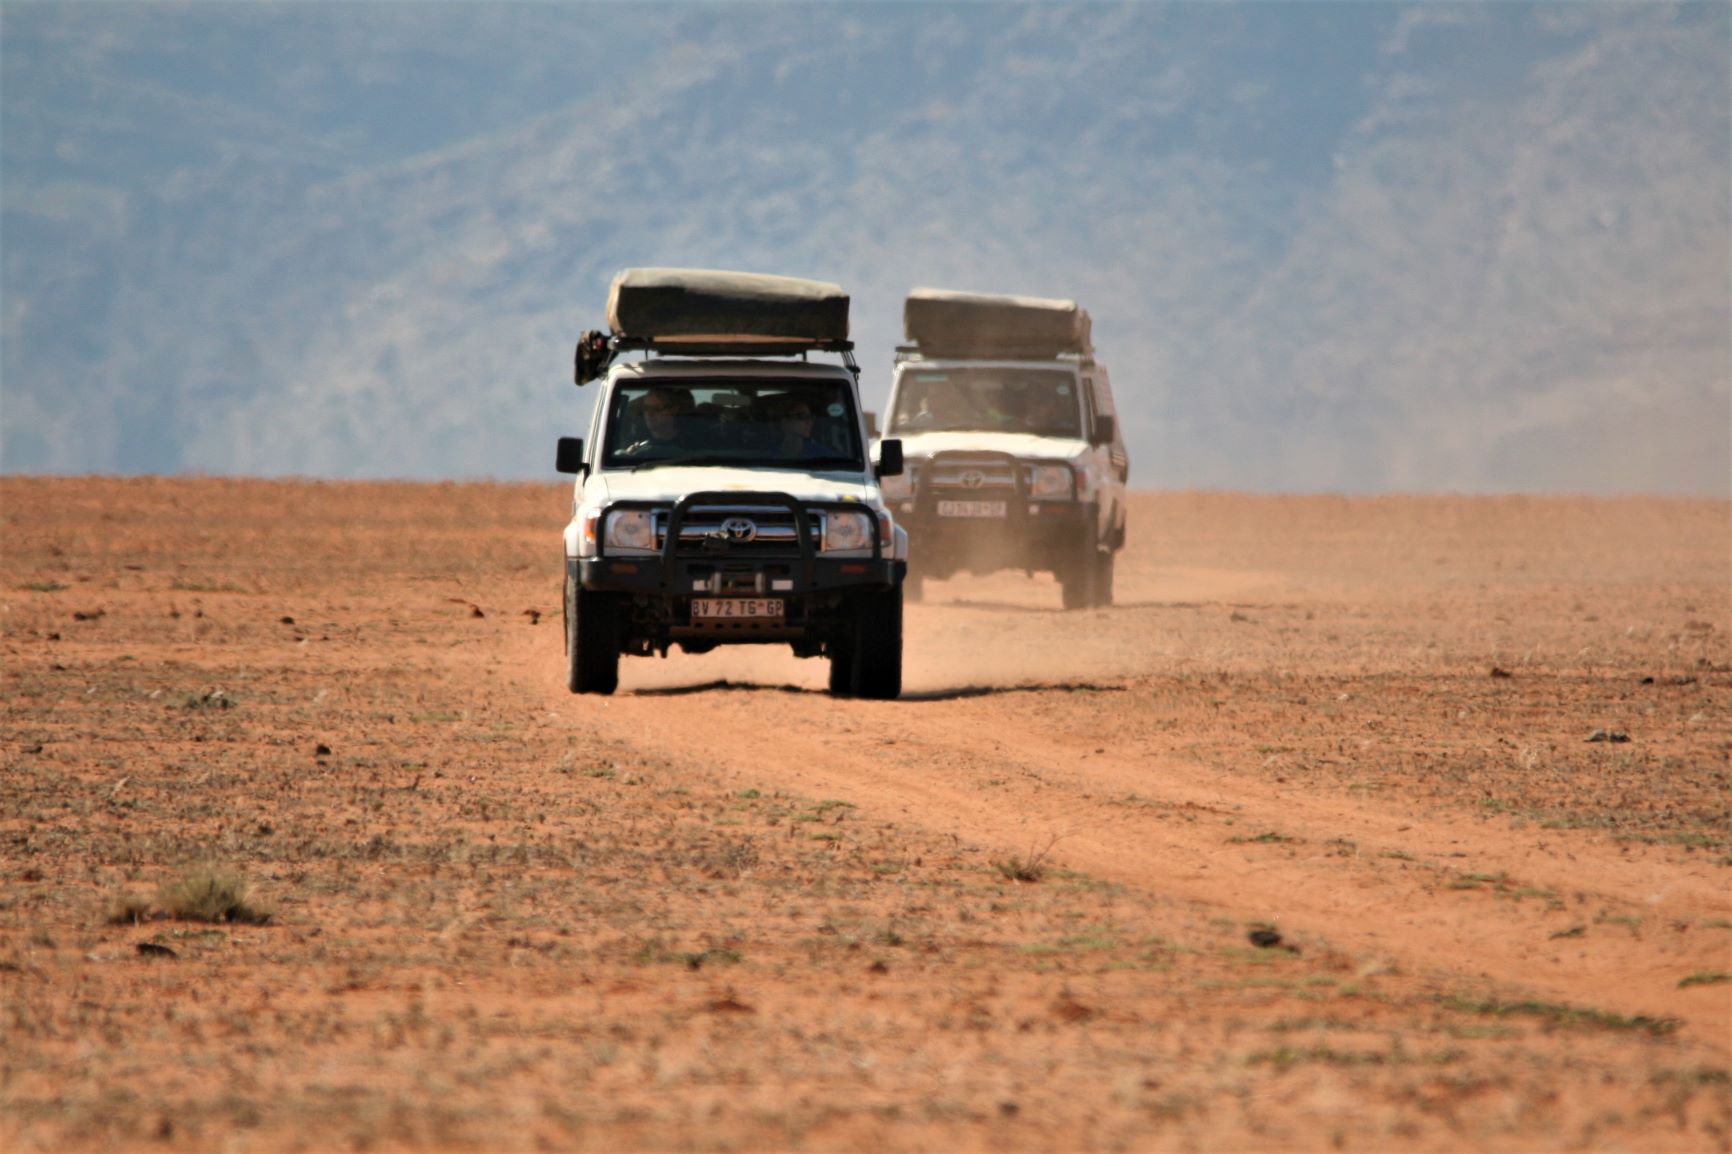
x=971 y=508
x=736 y=608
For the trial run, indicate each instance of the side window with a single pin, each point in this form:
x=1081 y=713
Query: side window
x=1102 y=392
x=1103 y=395
x=597 y=409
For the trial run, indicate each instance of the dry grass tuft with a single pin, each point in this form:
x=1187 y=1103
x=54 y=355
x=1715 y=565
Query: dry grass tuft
x=209 y=894
x=128 y=910
x=1029 y=867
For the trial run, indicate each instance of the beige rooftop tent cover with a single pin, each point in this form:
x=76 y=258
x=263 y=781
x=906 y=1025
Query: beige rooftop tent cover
x=987 y=325
x=706 y=306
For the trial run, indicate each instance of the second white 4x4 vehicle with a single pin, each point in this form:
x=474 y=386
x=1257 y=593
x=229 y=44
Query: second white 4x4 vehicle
x=725 y=495
x=1014 y=455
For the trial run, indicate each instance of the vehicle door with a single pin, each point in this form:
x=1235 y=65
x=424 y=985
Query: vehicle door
x=1108 y=462
x=597 y=429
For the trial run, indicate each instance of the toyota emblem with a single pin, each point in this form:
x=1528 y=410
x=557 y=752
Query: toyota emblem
x=739 y=529
x=973 y=479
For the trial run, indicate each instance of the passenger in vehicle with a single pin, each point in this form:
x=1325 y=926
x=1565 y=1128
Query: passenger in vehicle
x=797 y=421
x=729 y=421
x=1051 y=412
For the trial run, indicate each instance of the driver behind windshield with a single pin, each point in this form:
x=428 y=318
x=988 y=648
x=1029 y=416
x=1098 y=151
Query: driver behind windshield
x=942 y=407
x=664 y=413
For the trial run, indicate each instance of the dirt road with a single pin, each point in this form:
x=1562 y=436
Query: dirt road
x=1461 y=766
x=1374 y=880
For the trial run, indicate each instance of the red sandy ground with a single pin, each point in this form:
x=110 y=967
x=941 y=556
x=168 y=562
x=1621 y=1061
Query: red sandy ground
x=723 y=911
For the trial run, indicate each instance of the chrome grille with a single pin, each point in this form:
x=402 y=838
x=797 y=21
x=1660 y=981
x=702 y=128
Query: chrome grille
x=954 y=472
x=773 y=527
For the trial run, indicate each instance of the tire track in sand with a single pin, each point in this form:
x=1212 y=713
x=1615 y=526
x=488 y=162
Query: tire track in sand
x=954 y=767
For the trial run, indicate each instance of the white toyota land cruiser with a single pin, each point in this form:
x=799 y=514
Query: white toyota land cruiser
x=1014 y=458
x=725 y=495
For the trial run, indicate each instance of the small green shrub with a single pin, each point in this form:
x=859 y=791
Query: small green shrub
x=1020 y=869
x=212 y=699
x=1704 y=978
x=1562 y=1015
x=1030 y=867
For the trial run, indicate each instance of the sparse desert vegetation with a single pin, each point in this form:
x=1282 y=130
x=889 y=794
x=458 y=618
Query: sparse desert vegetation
x=1303 y=845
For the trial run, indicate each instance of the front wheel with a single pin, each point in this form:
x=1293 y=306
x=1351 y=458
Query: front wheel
x=842 y=669
x=591 y=641
x=868 y=662
x=1078 y=581
x=1104 y=579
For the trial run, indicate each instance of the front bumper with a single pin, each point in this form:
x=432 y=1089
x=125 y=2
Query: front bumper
x=1033 y=534
x=1043 y=536
x=655 y=607
x=690 y=577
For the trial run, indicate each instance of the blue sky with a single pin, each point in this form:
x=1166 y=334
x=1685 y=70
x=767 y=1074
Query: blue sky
x=1328 y=246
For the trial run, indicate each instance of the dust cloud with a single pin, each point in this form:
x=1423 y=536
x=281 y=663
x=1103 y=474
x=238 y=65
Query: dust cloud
x=1000 y=630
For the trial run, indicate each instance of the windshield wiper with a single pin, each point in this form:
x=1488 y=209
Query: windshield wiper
x=710 y=459
x=832 y=462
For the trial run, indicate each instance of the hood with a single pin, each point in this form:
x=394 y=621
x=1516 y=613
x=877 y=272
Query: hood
x=918 y=445
x=672 y=482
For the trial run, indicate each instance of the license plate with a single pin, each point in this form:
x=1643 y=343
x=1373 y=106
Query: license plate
x=971 y=508
x=736 y=608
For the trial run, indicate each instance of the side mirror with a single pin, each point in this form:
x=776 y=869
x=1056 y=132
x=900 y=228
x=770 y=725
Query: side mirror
x=569 y=458
x=1105 y=428
x=871 y=423
x=890 y=458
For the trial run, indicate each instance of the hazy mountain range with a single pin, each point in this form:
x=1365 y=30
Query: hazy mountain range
x=1356 y=247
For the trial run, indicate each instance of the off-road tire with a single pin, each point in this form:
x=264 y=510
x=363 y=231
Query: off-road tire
x=1104 y=579
x=1078 y=581
x=842 y=666
x=591 y=641
x=870 y=660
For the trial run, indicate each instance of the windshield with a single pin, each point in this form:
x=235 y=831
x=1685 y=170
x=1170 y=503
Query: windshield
x=988 y=399
x=785 y=424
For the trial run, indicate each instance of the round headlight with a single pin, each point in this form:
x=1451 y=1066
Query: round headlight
x=1050 y=482
x=847 y=531
x=631 y=529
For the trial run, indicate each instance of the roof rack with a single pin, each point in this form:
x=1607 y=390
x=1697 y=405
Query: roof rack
x=907 y=353
x=727 y=347
x=596 y=351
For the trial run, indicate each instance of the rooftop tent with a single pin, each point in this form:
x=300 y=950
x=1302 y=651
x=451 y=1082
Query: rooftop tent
x=987 y=325
x=675 y=306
